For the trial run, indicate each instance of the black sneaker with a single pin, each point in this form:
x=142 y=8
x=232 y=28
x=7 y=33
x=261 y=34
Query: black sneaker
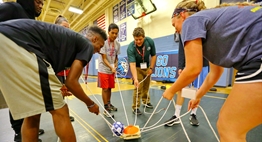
x=41 y=132
x=17 y=137
x=149 y=105
x=137 y=111
x=193 y=120
x=71 y=118
x=112 y=108
x=172 y=121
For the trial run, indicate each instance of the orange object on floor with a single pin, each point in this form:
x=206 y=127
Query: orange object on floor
x=131 y=129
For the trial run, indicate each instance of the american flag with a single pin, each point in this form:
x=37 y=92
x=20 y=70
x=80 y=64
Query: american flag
x=100 y=22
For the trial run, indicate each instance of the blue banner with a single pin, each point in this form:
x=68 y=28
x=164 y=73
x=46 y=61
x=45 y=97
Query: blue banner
x=165 y=68
x=115 y=14
x=122 y=9
x=122 y=32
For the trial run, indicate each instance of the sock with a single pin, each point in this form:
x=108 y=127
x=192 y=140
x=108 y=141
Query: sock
x=177 y=111
x=194 y=111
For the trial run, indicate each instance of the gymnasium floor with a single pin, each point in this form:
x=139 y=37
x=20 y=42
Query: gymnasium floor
x=92 y=128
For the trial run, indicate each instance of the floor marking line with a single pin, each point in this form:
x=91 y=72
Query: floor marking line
x=215 y=97
x=87 y=130
x=88 y=125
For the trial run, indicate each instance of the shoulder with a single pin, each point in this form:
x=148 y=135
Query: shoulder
x=8 y=7
x=149 y=40
x=131 y=45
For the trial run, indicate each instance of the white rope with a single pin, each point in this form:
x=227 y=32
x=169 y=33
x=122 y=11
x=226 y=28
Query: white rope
x=121 y=96
x=153 y=126
x=182 y=125
x=209 y=123
x=137 y=98
x=153 y=114
x=98 y=101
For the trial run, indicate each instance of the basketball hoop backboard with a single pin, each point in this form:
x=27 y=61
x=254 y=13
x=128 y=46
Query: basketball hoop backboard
x=141 y=8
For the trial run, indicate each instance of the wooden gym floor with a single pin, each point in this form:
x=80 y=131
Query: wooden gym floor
x=91 y=128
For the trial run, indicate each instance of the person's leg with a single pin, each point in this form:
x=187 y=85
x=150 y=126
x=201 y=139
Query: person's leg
x=241 y=112
x=62 y=124
x=145 y=90
x=16 y=124
x=137 y=95
x=30 y=128
x=179 y=103
x=105 y=96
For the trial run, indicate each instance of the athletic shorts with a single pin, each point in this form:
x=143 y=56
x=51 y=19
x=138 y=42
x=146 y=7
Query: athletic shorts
x=250 y=73
x=28 y=83
x=106 y=81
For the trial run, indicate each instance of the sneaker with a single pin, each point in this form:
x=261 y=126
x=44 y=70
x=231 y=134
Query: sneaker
x=18 y=137
x=71 y=118
x=193 y=120
x=149 y=105
x=112 y=108
x=41 y=132
x=172 y=121
x=137 y=111
x=109 y=114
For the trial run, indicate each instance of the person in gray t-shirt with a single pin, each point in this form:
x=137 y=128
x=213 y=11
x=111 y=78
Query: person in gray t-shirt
x=107 y=64
x=228 y=37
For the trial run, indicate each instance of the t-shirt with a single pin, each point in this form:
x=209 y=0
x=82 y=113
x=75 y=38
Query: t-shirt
x=111 y=53
x=135 y=54
x=231 y=36
x=57 y=45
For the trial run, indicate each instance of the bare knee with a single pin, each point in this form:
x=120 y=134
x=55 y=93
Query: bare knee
x=33 y=120
x=106 y=90
x=227 y=132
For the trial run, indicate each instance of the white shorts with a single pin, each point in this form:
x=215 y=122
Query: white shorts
x=28 y=83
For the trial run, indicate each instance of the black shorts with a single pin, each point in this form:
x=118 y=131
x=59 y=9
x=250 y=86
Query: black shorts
x=250 y=73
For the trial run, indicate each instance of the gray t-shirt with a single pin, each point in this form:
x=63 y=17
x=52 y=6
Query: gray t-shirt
x=111 y=54
x=231 y=36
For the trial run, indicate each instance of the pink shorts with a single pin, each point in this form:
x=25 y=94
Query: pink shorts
x=106 y=80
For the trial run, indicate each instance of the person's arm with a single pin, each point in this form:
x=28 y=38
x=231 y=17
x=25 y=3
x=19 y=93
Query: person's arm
x=152 y=64
x=211 y=78
x=116 y=62
x=73 y=85
x=134 y=73
x=194 y=61
x=107 y=63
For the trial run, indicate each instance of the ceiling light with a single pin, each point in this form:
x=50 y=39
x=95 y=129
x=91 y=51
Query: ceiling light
x=75 y=10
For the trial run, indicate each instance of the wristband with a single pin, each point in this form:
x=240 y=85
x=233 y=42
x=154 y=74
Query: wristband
x=91 y=105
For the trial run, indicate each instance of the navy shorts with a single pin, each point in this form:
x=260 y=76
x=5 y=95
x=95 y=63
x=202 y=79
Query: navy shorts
x=250 y=73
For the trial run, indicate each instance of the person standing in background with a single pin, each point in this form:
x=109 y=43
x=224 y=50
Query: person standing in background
x=138 y=53
x=107 y=64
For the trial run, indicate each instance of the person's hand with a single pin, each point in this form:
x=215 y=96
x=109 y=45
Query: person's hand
x=113 y=70
x=149 y=71
x=65 y=92
x=193 y=104
x=180 y=71
x=94 y=109
x=168 y=95
x=136 y=83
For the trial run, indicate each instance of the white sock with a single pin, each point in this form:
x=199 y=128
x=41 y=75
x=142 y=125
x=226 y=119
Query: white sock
x=194 y=111
x=177 y=111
